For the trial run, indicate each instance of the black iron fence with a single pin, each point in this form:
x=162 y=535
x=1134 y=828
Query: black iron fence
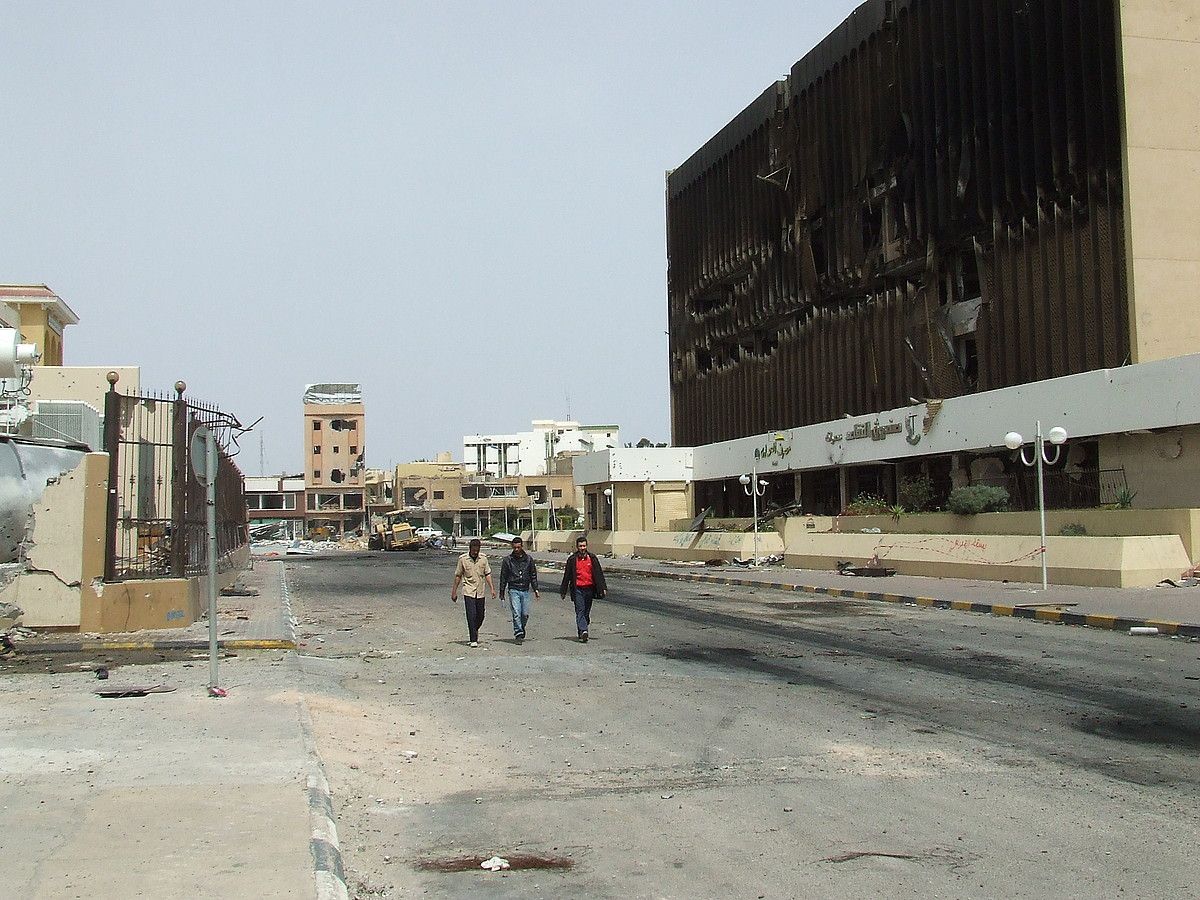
x=157 y=524
x=1065 y=489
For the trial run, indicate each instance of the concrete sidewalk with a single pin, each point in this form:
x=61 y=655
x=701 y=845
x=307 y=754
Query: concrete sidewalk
x=1171 y=610
x=168 y=795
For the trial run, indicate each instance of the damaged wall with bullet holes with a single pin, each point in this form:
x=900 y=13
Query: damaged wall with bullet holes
x=930 y=205
x=51 y=530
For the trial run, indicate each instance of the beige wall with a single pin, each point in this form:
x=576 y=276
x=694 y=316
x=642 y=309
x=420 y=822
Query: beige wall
x=1162 y=469
x=1185 y=523
x=86 y=383
x=1160 y=46
x=66 y=549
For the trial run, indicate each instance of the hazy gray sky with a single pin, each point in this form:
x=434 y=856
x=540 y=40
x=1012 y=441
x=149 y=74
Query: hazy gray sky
x=459 y=205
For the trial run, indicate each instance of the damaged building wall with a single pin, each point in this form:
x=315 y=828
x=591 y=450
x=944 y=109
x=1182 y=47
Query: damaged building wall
x=929 y=205
x=51 y=529
x=1160 y=56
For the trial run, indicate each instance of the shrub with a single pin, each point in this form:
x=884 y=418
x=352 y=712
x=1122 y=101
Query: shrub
x=1072 y=529
x=1125 y=498
x=867 y=505
x=977 y=498
x=915 y=493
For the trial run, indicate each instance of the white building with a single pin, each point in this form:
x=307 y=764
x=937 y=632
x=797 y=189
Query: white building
x=532 y=452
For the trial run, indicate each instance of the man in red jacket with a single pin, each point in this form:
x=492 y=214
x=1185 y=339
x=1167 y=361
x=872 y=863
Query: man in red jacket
x=583 y=579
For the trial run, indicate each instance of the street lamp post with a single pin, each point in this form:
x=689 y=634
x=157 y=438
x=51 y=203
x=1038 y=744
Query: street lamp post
x=612 y=508
x=754 y=488
x=653 y=506
x=1057 y=437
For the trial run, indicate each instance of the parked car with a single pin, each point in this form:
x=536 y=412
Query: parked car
x=426 y=534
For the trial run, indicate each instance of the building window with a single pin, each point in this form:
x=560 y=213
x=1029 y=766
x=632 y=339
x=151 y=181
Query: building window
x=337 y=449
x=353 y=448
x=316 y=425
x=252 y=501
x=556 y=493
x=312 y=501
x=317 y=450
x=316 y=473
x=439 y=495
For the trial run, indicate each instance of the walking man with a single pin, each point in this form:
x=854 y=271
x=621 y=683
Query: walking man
x=519 y=575
x=584 y=580
x=473 y=573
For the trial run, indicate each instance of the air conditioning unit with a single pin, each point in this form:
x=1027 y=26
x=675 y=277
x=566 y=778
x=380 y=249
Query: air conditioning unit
x=67 y=420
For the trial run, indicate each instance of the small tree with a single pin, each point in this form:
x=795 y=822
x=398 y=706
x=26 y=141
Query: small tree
x=915 y=493
x=977 y=498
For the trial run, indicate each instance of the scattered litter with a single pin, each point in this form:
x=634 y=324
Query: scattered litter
x=787 y=809
x=714 y=562
x=239 y=590
x=495 y=864
x=871 y=570
x=1143 y=629
x=101 y=674
x=134 y=690
x=412 y=754
x=216 y=692
x=667 y=796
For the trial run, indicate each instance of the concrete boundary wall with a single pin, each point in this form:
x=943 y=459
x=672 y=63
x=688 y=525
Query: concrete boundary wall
x=1098 y=522
x=1114 y=561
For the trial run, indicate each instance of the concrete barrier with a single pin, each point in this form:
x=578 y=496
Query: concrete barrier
x=1138 y=561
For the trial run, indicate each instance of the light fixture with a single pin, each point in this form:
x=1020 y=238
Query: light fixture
x=744 y=480
x=1013 y=440
x=1057 y=435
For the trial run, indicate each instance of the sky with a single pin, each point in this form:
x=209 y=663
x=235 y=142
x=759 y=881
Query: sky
x=458 y=205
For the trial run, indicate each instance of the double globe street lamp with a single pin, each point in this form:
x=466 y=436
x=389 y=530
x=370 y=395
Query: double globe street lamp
x=754 y=487
x=1057 y=436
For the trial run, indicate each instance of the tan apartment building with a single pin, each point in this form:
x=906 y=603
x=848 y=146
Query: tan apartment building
x=40 y=315
x=334 y=458
x=444 y=495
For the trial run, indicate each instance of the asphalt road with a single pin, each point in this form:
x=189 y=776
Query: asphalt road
x=717 y=742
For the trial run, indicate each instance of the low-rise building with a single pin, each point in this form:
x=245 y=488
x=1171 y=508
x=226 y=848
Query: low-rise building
x=445 y=495
x=275 y=504
x=534 y=452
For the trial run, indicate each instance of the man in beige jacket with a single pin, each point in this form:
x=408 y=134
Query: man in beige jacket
x=473 y=573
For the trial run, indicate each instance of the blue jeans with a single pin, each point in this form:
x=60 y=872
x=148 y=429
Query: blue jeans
x=521 y=602
x=583 y=598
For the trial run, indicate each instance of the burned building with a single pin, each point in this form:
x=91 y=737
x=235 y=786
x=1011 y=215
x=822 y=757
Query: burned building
x=952 y=218
x=931 y=204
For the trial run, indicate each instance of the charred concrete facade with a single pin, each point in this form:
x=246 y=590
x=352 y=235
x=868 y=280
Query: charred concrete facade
x=932 y=204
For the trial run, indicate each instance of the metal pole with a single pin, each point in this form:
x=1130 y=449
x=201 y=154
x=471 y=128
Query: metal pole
x=1040 y=450
x=210 y=501
x=112 y=444
x=754 y=497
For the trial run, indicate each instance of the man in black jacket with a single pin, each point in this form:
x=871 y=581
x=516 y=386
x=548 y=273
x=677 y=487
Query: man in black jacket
x=519 y=575
x=583 y=579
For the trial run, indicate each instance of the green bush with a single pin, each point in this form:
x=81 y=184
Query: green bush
x=1072 y=529
x=867 y=505
x=977 y=498
x=915 y=494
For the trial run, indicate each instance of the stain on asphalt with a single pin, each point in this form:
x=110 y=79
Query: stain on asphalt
x=1141 y=731
x=516 y=862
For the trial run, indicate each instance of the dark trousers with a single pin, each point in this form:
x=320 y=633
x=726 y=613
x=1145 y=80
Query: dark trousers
x=474 y=608
x=583 y=598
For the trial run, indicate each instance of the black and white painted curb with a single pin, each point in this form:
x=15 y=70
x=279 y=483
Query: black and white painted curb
x=328 y=869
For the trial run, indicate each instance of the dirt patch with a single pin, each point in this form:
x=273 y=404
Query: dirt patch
x=29 y=662
x=1134 y=730
x=516 y=863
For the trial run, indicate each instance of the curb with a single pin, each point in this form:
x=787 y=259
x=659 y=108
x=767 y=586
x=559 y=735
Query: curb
x=118 y=646
x=328 y=869
x=1089 y=620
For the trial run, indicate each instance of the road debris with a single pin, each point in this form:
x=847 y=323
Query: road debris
x=495 y=864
